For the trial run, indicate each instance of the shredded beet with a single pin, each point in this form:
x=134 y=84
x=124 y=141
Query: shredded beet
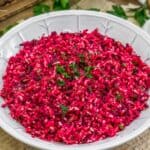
x=75 y=87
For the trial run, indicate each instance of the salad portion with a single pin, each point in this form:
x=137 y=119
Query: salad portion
x=75 y=87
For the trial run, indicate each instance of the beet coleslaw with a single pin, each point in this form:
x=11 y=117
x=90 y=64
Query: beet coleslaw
x=75 y=87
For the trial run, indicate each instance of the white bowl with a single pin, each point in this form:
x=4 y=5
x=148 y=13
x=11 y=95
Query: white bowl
x=146 y=26
x=73 y=21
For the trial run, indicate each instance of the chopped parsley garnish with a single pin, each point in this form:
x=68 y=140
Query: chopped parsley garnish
x=88 y=70
x=61 y=70
x=124 y=65
x=60 y=82
x=118 y=96
x=121 y=126
x=82 y=58
x=64 y=109
x=74 y=67
x=66 y=75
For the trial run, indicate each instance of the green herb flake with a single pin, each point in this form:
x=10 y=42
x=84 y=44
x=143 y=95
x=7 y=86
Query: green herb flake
x=40 y=9
x=88 y=70
x=82 y=58
x=123 y=65
x=121 y=126
x=89 y=75
x=60 y=82
x=118 y=96
x=65 y=4
x=82 y=62
x=74 y=67
x=118 y=11
x=64 y=109
x=66 y=75
x=60 y=69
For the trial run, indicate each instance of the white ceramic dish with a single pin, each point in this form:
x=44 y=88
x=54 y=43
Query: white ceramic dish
x=73 y=21
x=146 y=26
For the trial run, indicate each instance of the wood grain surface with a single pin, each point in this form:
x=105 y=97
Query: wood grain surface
x=14 y=8
x=24 y=13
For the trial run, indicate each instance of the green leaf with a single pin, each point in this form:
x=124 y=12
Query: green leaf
x=56 y=5
x=61 y=4
x=64 y=109
x=65 y=4
x=40 y=9
x=94 y=9
x=60 y=82
x=141 y=15
x=118 y=11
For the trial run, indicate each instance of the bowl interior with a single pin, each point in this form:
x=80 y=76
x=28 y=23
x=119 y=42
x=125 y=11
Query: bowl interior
x=73 y=21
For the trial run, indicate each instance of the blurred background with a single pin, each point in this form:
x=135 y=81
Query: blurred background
x=13 y=12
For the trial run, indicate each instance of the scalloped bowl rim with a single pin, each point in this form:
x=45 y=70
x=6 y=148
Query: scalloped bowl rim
x=118 y=20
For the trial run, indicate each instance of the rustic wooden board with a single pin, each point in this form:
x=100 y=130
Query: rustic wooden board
x=24 y=14
x=14 y=8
